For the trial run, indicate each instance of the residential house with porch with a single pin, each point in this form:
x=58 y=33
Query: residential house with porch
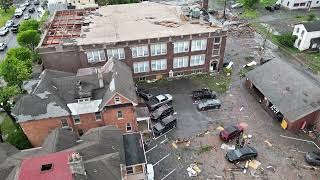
x=308 y=35
x=299 y=4
x=154 y=40
x=90 y=98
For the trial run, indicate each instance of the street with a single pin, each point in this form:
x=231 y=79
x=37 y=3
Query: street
x=10 y=38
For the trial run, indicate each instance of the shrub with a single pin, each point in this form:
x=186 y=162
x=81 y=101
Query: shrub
x=286 y=39
x=18 y=139
x=311 y=17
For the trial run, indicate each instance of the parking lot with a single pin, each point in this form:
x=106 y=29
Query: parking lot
x=283 y=157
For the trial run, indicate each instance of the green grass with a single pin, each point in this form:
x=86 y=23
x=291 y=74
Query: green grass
x=219 y=83
x=264 y=3
x=6 y=16
x=249 y=13
x=314 y=61
x=7 y=126
x=309 y=17
x=205 y=148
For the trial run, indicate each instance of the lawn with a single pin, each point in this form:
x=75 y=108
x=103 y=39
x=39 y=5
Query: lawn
x=6 y=16
x=249 y=13
x=309 y=17
x=218 y=83
x=13 y=135
x=314 y=61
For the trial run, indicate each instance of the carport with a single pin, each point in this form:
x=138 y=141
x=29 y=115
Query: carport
x=286 y=93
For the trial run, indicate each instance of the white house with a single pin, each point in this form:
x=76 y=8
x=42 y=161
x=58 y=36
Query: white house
x=300 y=4
x=308 y=35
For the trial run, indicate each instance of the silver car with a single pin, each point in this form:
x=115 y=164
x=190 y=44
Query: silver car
x=9 y=23
x=209 y=104
x=4 y=31
x=3 y=46
x=159 y=100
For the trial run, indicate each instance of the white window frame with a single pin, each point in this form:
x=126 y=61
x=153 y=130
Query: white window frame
x=95 y=115
x=117 y=100
x=199 y=44
x=130 y=125
x=140 y=51
x=74 y=119
x=302 y=33
x=116 y=52
x=141 y=67
x=93 y=54
x=64 y=119
x=181 y=46
x=121 y=114
x=197 y=60
x=159 y=65
x=180 y=62
x=297 y=30
x=158 y=49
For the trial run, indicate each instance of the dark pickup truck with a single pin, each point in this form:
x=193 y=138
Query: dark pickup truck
x=204 y=94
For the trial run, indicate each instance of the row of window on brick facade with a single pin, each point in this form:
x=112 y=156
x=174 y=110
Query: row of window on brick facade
x=143 y=50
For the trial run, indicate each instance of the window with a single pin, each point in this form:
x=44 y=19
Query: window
x=129 y=170
x=64 y=123
x=217 y=40
x=288 y=3
x=180 y=62
x=157 y=65
x=46 y=167
x=180 y=47
x=295 y=4
x=80 y=132
x=216 y=50
x=299 y=42
x=197 y=60
x=117 y=100
x=302 y=4
x=76 y=119
x=302 y=33
x=98 y=116
x=128 y=127
x=117 y=53
x=141 y=67
x=298 y=29
x=119 y=115
x=198 y=45
x=83 y=100
x=317 y=2
x=158 y=49
x=140 y=51
x=143 y=78
x=96 y=56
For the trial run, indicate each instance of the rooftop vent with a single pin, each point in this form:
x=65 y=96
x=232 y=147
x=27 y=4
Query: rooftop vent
x=46 y=167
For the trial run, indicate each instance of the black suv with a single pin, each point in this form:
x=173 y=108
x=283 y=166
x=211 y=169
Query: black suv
x=203 y=94
x=15 y=28
x=162 y=112
x=165 y=125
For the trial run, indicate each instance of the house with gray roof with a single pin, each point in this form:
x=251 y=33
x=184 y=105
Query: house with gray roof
x=287 y=93
x=92 y=97
x=308 y=35
x=98 y=154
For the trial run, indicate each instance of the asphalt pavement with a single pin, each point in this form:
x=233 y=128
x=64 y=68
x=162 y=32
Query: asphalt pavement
x=10 y=38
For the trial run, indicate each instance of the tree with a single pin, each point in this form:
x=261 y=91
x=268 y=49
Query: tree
x=14 y=71
x=286 y=39
x=22 y=54
x=250 y=3
x=31 y=24
x=5 y=4
x=29 y=39
x=6 y=94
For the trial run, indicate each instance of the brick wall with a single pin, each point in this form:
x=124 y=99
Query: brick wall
x=88 y=121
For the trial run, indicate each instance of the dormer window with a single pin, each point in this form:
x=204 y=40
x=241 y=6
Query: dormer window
x=117 y=100
x=83 y=100
x=46 y=167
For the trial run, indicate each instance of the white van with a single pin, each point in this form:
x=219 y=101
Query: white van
x=18 y=13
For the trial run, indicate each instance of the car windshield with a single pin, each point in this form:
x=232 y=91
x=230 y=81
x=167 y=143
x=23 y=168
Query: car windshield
x=237 y=153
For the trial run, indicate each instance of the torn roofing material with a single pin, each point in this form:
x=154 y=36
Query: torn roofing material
x=293 y=92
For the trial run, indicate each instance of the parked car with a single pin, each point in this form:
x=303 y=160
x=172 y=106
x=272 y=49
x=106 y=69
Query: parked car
x=158 y=100
x=313 y=158
x=31 y=10
x=3 y=46
x=272 y=8
x=204 y=94
x=241 y=154
x=150 y=172
x=36 y=3
x=230 y=132
x=4 y=31
x=27 y=3
x=144 y=94
x=15 y=28
x=23 y=7
x=26 y=17
x=162 y=112
x=209 y=104
x=9 y=23
x=165 y=125
x=18 y=13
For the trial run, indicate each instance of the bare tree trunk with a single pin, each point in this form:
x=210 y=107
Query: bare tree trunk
x=1 y=139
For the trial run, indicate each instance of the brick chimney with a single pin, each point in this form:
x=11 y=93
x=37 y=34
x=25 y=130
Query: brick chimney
x=76 y=165
x=205 y=4
x=100 y=77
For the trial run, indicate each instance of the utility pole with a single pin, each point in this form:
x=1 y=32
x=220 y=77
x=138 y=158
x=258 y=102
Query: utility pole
x=224 y=9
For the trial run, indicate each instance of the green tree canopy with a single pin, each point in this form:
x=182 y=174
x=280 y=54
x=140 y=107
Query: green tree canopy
x=14 y=71
x=250 y=3
x=287 y=39
x=5 y=4
x=22 y=54
x=29 y=39
x=30 y=24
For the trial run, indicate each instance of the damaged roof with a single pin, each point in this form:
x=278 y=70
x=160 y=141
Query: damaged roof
x=133 y=149
x=56 y=93
x=59 y=139
x=293 y=92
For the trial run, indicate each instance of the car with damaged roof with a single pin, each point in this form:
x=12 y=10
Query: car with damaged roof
x=165 y=125
x=241 y=154
x=157 y=101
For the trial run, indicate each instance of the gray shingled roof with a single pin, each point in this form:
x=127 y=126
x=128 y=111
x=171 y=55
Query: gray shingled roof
x=133 y=149
x=293 y=92
x=312 y=26
x=7 y=150
x=59 y=139
x=56 y=89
